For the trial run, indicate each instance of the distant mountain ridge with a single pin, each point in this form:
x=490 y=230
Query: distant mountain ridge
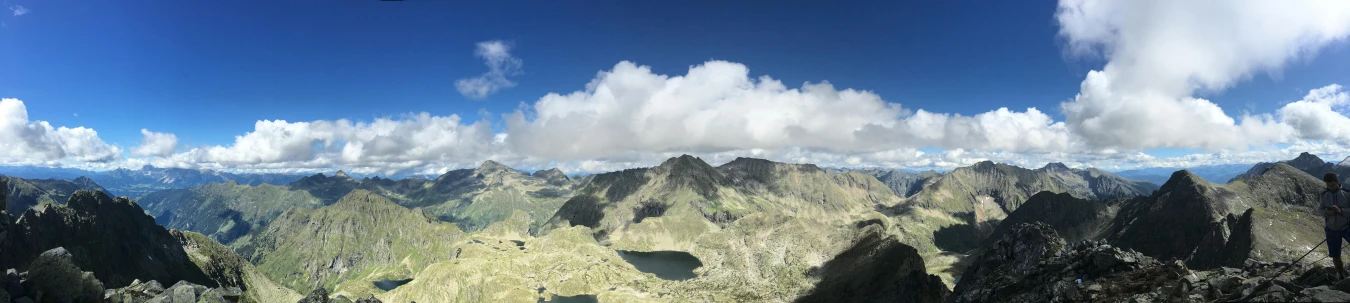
x=472 y=198
x=1212 y=173
x=1305 y=162
x=138 y=182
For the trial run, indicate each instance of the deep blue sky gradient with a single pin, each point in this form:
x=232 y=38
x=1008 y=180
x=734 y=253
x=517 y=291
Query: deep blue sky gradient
x=207 y=70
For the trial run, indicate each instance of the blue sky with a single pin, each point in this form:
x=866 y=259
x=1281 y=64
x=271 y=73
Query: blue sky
x=207 y=70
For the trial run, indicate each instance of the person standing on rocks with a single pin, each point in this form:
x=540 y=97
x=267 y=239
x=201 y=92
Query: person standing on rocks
x=1333 y=201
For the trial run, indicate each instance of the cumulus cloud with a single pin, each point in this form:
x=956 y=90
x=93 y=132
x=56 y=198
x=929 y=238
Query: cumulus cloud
x=1320 y=115
x=155 y=144
x=27 y=142
x=384 y=144
x=718 y=107
x=1160 y=52
x=18 y=10
x=497 y=55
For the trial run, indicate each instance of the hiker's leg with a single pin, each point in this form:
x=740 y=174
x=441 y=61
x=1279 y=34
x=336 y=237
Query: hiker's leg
x=1334 y=250
x=1340 y=270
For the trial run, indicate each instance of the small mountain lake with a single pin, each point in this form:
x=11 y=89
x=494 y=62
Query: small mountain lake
x=669 y=265
x=388 y=285
x=574 y=299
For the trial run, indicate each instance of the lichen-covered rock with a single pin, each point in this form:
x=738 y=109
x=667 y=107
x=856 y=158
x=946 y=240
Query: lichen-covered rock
x=53 y=277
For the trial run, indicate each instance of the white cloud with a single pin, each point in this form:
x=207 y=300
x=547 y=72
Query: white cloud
x=415 y=142
x=1160 y=52
x=1320 y=115
x=34 y=142
x=155 y=144
x=496 y=54
x=18 y=10
x=718 y=107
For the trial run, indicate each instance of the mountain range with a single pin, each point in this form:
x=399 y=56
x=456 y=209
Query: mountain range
x=135 y=183
x=755 y=230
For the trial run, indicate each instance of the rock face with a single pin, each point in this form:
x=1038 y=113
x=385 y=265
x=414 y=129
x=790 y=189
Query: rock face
x=1031 y=263
x=113 y=238
x=877 y=268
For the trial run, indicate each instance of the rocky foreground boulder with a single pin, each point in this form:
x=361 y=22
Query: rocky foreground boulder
x=1031 y=263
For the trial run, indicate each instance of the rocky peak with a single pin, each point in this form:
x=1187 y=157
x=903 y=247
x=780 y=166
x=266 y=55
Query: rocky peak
x=691 y=172
x=492 y=166
x=1345 y=162
x=1184 y=180
x=550 y=173
x=554 y=176
x=341 y=174
x=362 y=198
x=1055 y=167
x=1306 y=159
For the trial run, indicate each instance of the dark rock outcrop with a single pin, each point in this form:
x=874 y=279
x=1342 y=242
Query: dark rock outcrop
x=1032 y=264
x=113 y=238
x=876 y=268
x=1186 y=215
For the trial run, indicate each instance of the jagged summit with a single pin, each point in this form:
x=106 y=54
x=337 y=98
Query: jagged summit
x=489 y=165
x=1306 y=159
x=554 y=176
x=1055 y=166
x=691 y=172
x=1183 y=179
x=341 y=174
x=360 y=197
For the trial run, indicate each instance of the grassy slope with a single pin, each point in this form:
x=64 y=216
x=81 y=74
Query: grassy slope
x=362 y=237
